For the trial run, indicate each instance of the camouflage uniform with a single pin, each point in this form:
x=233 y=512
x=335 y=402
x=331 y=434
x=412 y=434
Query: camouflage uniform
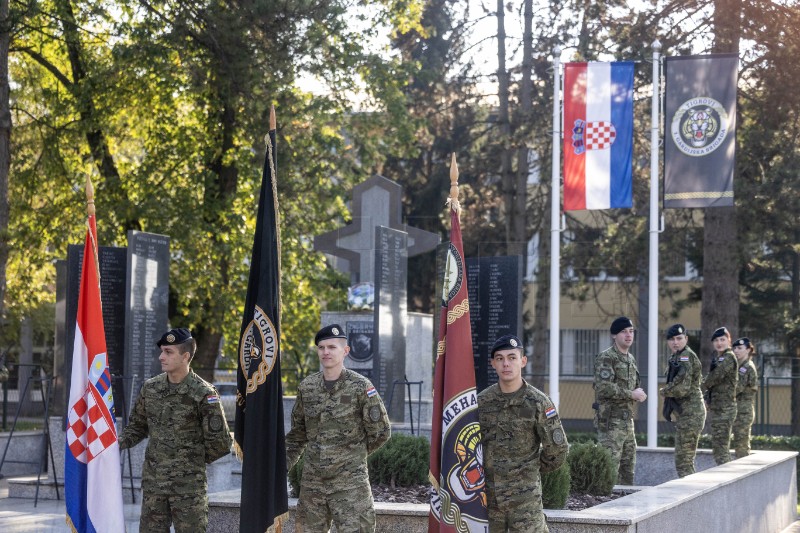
x=615 y=378
x=685 y=389
x=187 y=430
x=721 y=386
x=338 y=429
x=745 y=407
x=521 y=436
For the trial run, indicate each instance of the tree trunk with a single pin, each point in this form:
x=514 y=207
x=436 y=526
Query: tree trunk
x=525 y=111
x=205 y=358
x=793 y=343
x=541 y=347
x=5 y=149
x=720 y=303
x=506 y=177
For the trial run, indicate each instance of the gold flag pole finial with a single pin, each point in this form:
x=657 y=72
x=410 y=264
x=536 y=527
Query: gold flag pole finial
x=452 y=200
x=89 y=196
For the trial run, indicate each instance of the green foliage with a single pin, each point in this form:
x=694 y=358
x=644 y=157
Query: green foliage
x=591 y=469
x=555 y=487
x=296 y=476
x=403 y=461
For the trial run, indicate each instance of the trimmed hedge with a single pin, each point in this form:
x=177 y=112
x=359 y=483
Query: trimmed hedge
x=401 y=462
x=591 y=469
x=555 y=487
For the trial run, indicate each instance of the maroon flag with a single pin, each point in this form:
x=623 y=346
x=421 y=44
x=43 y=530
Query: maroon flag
x=458 y=500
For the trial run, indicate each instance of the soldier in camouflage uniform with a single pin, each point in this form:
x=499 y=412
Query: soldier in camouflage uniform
x=338 y=419
x=182 y=416
x=689 y=411
x=521 y=436
x=720 y=386
x=617 y=390
x=746 y=390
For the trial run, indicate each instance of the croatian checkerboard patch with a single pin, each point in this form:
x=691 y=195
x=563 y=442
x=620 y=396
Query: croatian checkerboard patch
x=212 y=398
x=550 y=413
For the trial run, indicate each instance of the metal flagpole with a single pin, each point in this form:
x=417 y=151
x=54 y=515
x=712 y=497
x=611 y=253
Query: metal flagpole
x=652 y=311
x=555 y=237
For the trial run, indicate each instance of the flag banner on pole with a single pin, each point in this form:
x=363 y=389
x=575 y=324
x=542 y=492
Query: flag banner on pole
x=258 y=431
x=92 y=473
x=458 y=498
x=598 y=135
x=700 y=130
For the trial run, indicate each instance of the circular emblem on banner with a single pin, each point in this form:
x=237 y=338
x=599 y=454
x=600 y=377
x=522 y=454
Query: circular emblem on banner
x=258 y=349
x=453 y=274
x=699 y=126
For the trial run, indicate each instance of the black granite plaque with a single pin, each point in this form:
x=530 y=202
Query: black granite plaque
x=360 y=338
x=147 y=299
x=495 y=308
x=112 y=294
x=391 y=266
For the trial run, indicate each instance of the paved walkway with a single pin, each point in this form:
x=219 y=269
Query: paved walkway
x=19 y=515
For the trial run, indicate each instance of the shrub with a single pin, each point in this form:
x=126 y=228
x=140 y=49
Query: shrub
x=555 y=487
x=591 y=469
x=403 y=461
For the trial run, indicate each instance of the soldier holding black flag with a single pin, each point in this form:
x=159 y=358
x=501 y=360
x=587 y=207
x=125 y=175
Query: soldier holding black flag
x=683 y=399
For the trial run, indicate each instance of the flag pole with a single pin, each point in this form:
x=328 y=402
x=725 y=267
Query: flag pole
x=452 y=200
x=555 y=229
x=652 y=311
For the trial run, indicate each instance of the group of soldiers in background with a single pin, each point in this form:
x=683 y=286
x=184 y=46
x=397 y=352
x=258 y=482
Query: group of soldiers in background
x=728 y=392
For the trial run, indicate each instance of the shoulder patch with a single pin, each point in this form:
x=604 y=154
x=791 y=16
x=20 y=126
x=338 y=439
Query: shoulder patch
x=212 y=398
x=721 y=359
x=550 y=412
x=743 y=370
x=605 y=374
x=558 y=436
x=684 y=358
x=374 y=413
x=371 y=392
x=215 y=423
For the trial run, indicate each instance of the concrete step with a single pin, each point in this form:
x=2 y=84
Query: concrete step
x=25 y=487
x=793 y=528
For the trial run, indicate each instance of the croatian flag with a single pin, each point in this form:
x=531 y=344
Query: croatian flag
x=92 y=475
x=598 y=135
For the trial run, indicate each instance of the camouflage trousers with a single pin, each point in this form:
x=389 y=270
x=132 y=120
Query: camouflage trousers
x=352 y=511
x=187 y=512
x=721 y=425
x=518 y=513
x=741 y=430
x=617 y=436
x=687 y=434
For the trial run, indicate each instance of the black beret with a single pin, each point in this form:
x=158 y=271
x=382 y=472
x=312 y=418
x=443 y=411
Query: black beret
x=334 y=331
x=676 y=329
x=174 y=336
x=719 y=332
x=744 y=341
x=619 y=324
x=506 y=342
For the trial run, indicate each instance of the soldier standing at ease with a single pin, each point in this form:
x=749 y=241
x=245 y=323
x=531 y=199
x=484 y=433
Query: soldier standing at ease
x=745 y=396
x=181 y=414
x=684 y=398
x=521 y=436
x=339 y=419
x=617 y=390
x=720 y=384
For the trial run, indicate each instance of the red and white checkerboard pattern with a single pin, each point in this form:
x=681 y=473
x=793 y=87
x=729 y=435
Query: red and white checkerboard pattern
x=89 y=431
x=600 y=135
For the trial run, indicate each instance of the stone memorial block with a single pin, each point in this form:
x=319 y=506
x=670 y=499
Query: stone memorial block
x=147 y=296
x=113 y=270
x=495 y=307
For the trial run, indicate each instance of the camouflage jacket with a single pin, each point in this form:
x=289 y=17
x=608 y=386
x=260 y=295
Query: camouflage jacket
x=615 y=377
x=685 y=386
x=338 y=429
x=521 y=436
x=187 y=429
x=747 y=386
x=721 y=381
